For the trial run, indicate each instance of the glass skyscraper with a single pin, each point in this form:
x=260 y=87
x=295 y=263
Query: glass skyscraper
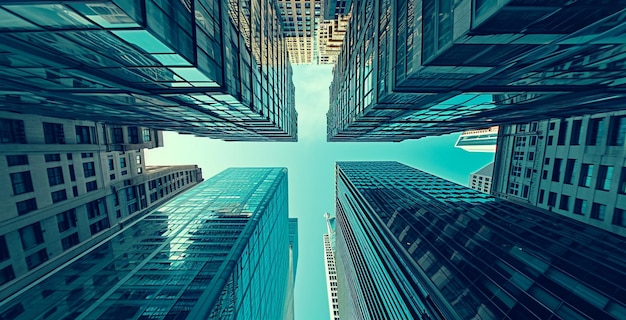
x=218 y=251
x=416 y=68
x=410 y=245
x=211 y=68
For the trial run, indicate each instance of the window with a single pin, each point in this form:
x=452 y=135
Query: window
x=570 y=170
x=552 y=125
x=99 y=226
x=122 y=162
x=70 y=241
x=575 y=138
x=531 y=156
x=619 y=217
x=111 y=164
x=53 y=133
x=617 y=131
x=550 y=140
x=55 y=176
x=580 y=206
x=622 y=181
x=118 y=135
x=31 y=236
x=529 y=172
x=6 y=275
x=562 y=133
x=72 y=173
x=36 y=259
x=112 y=176
x=66 y=220
x=132 y=208
x=541 y=195
x=86 y=155
x=21 y=182
x=58 y=196
x=518 y=155
x=96 y=208
x=131 y=193
x=52 y=157
x=533 y=141
x=75 y=191
x=598 y=211
x=91 y=185
x=133 y=135
x=556 y=170
x=586 y=173
x=85 y=135
x=564 y=203
x=138 y=158
x=17 y=160
x=139 y=170
x=605 y=176
x=69 y=156
x=146 y=135
x=596 y=131
x=26 y=206
x=4 y=250
x=89 y=169
x=12 y=131
x=516 y=170
x=551 y=199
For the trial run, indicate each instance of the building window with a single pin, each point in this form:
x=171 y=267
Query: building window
x=622 y=181
x=52 y=157
x=131 y=193
x=575 y=138
x=531 y=156
x=556 y=171
x=72 y=173
x=133 y=135
x=91 y=185
x=605 y=176
x=138 y=158
x=122 y=162
x=617 y=131
x=139 y=170
x=66 y=220
x=111 y=164
x=580 y=206
x=26 y=206
x=69 y=156
x=6 y=275
x=21 y=182
x=36 y=259
x=146 y=135
x=533 y=141
x=4 y=250
x=85 y=155
x=85 y=135
x=89 y=169
x=619 y=217
x=132 y=208
x=99 y=226
x=598 y=211
x=570 y=170
x=53 y=133
x=75 y=191
x=562 y=133
x=550 y=140
x=112 y=176
x=58 y=196
x=551 y=199
x=541 y=195
x=31 y=236
x=55 y=176
x=586 y=173
x=70 y=241
x=96 y=208
x=564 y=203
x=17 y=160
x=118 y=135
x=12 y=131
x=518 y=155
x=529 y=172
x=596 y=131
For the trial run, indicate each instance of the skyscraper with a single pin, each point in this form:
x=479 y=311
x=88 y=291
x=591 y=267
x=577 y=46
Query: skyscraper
x=218 y=251
x=69 y=184
x=414 y=68
x=330 y=36
x=301 y=19
x=289 y=313
x=481 y=180
x=330 y=268
x=479 y=140
x=410 y=245
x=214 y=69
x=571 y=166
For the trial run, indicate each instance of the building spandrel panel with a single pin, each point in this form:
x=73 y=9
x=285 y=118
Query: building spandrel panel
x=204 y=254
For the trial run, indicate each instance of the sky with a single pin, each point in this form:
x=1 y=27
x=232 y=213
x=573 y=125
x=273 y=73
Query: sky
x=311 y=172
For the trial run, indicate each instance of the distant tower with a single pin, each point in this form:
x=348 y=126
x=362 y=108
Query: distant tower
x=479 y=140
x=481 y=179
x=330 y=268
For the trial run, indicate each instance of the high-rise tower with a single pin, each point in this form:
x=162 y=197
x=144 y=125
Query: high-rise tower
x=410 y=245
x=218 y=251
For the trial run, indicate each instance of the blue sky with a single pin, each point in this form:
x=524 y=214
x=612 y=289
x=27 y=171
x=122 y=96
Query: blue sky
x=310 y=162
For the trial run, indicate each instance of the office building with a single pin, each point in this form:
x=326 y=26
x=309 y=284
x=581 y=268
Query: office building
x=412 y=69
x=481 y=179
x=301 y=19
x=410 y=245
x=217 y=251
x=478 y=140
x=572 y=166
x=330 y=38
x=212 y=69
x=70 y=184
x=330 y=268
x=293 y=266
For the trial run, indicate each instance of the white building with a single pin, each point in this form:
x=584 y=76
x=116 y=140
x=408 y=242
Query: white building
x=329 y=267
x=479 y=140
x=481 y=179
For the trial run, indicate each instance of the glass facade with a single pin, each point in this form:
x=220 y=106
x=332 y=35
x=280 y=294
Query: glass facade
x=411 y=245
x=218 y=251
x=416 y=68
x=211 y=68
